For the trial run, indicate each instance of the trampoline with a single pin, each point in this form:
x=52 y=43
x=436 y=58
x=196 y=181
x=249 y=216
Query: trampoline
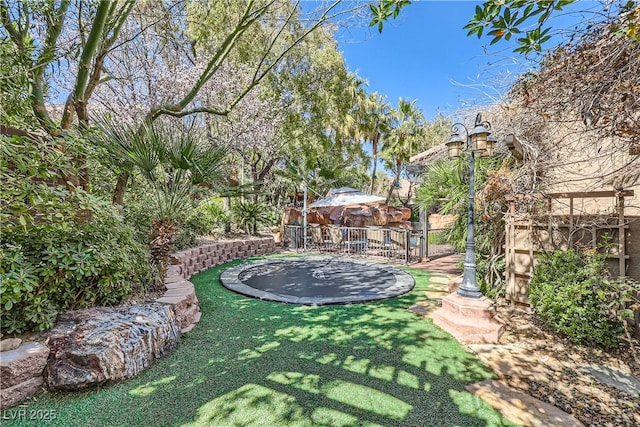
x=317 y=280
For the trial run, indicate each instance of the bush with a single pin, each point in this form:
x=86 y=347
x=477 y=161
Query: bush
x=209 y=215
x=213 y=208
x=273 y=218
x=490 y=273
x=437 y=238
x=196 y=224
x=61 y=248
x=49 y=268
x=136 y=211
x=573 y=293
x=249 y=215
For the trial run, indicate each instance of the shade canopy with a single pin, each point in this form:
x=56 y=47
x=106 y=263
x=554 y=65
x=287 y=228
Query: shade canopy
x=345 y=196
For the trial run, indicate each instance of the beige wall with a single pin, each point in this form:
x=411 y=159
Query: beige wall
x=580 y=161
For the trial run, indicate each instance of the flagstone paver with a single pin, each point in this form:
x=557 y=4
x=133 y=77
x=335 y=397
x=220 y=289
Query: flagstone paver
x=615 y=378
x=521 y=408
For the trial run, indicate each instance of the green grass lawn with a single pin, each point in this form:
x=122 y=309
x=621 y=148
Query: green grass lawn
x=255 y=363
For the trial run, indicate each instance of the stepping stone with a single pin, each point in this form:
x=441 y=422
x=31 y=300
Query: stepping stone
x=10 y=344
x=423 y=308
x=521 y=408
x=512 y=360
x=444 y=280
x=436 y=294
x=615 y=378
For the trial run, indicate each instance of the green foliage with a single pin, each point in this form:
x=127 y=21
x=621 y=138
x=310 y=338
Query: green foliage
x=208 y=216
x=506 y=19
x=172 y=158
x=15 y=109
x=188 y=230
x=273 y=217
x=445 y=190
x=248 y=215
x=384 y=10
x=490 y=272
x=575 y=295
x=437 y=238
x=175 y=161
x=61 y=248
x=214 y=209
x=136 y=211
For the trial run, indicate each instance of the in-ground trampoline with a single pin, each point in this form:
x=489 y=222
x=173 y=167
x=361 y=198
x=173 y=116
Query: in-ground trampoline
x=317 y=280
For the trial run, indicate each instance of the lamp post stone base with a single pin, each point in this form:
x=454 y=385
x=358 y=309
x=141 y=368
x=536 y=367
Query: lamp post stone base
x=469 y=320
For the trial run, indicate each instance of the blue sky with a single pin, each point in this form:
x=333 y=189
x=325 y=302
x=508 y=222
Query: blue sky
x=425 y=54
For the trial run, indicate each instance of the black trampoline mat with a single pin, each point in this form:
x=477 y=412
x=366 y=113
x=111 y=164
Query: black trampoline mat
x=317 y=280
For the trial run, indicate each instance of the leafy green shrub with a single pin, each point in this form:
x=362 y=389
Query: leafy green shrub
x=437 y=238
x=574 y=294
x=136 y=211
x=196 y=224
x=49 y=268
x=214 y=210
x=273 y=217
x=61 y=248
x=248 y=215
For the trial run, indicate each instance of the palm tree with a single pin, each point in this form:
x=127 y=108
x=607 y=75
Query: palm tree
x=369 y=123
x=404 y=136
x=173 y=160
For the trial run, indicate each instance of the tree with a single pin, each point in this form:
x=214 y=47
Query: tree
x=86 y=35
x=14 y=86
x=369 y=123
x=173 y=161
x=406 y=131
x=528 y=20
x=593 y=81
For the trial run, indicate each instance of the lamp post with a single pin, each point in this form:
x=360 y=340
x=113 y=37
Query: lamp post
x=304 y=217
x=476 y=141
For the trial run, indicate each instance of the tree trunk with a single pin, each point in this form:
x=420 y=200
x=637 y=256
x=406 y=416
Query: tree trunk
x=396 y=178
x=226 y=204
x=160 y=244
x=374 y=154
x=121 y=187
x=390 y=192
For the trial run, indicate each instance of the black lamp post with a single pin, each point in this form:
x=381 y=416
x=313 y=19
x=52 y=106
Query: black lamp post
x=476 y=141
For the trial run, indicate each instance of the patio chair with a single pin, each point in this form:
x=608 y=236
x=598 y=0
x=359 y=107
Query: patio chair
x=335 y=234
x=356 y=241
x=319 y=239
x=379 y=242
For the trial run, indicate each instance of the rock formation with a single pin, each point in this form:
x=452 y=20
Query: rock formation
x=21 y=372
x=96 y=345
x=358 y=215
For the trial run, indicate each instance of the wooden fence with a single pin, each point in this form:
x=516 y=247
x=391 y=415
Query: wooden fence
x=565 y=226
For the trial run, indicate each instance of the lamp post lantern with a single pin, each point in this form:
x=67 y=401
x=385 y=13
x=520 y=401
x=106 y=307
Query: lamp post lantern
x=475 y=142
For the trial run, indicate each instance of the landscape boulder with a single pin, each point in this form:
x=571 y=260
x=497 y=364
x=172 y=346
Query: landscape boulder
x=92 y=346
x=21 y=372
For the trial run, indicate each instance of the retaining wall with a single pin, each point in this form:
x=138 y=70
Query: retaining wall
x=21 y=368
x=181 y=293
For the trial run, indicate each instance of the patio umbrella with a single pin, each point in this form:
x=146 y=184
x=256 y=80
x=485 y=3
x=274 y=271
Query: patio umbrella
x=345 y=196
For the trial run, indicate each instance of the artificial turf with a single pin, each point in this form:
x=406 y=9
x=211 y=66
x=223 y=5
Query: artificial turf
x=257 y=363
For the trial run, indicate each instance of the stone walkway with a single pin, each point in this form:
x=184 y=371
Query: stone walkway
x=444 y=271
x=514 y=405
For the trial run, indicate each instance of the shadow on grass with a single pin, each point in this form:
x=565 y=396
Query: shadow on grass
x=250 y=363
